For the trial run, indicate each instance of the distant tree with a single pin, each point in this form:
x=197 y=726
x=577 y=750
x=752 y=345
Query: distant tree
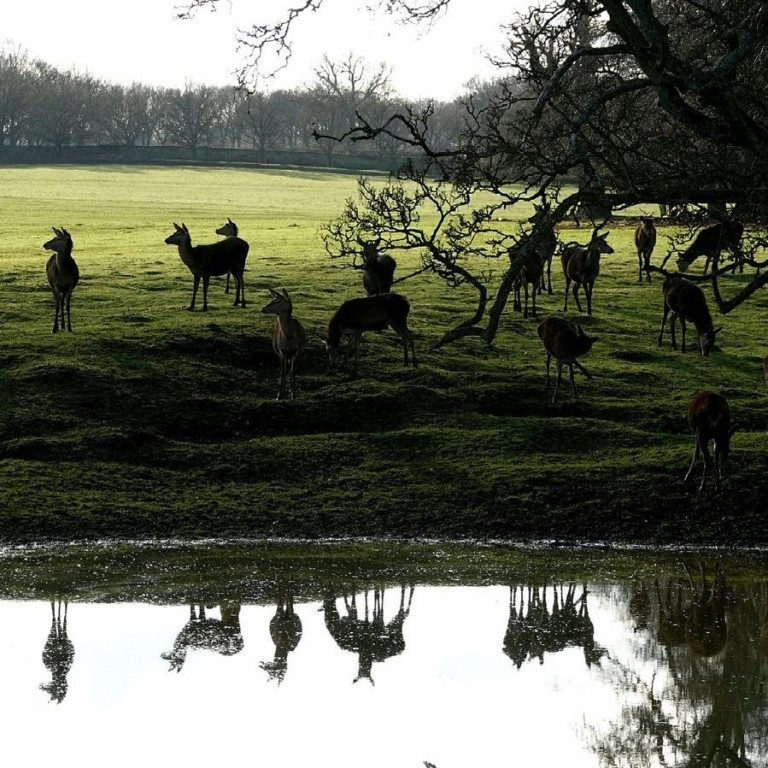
x=16 y=91
x=189 y=117
x=127 y=114
x=265 y=117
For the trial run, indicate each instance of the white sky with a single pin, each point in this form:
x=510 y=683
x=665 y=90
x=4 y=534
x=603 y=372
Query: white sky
x=141 y=41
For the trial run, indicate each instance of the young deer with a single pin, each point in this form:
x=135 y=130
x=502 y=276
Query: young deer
x=581 y=266
x=63 y=275
x=288 y=339
x=370 y=313
x=645 y=242
x=710 y=419
x=531 y=273
x=565 y=341
x=229 y=230
x=378 y=268
x=710 y=242
x=542 y=219
x=685 y=300
x=206 y=260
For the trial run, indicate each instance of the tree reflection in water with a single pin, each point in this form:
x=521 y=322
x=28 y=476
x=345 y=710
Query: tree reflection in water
x=694 y=688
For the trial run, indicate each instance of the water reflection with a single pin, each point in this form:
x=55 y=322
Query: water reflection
x=597 y=662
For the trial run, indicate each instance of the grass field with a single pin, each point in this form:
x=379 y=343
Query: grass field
x=151 y=421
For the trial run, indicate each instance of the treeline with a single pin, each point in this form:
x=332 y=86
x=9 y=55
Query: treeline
x=51 y=115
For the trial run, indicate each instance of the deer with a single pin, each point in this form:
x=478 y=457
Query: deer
x=229 y=230
x=288 y=339
x=685 y=300
x=542 y=218
x=206 y=260
x=565 y=341
x=645 y=242
x=58 y=654
x=370 y=313
x=710 y=419
x=710 y=242
x=378 y=268
x=531 y=273
x=581 y=266
x=63 y=276
x=285 y=629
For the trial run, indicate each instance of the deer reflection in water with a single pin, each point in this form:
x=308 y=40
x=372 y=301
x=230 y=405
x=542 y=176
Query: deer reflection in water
x=705 y=628
x=370 y=637
x=534 y=629
x=58 y=653
x=220 y=635
x=285 y=629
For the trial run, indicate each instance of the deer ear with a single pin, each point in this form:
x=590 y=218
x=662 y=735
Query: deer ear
x=275 y=294
x=176 y=227
x=285 y=293
x=230 y=220
x=184 y=227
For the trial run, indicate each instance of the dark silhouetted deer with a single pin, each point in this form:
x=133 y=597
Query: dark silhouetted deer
x=288 y=339
x=685 y=300
x=710 y=419
x=206 y=260
x=710 y=242
x=63 y=276
x=565 y=341
x=285 y=629
x=370 y=313
x=229 y=230
x=581 y=266
x=645 y=242
x=220 y=635
x=58 y=654
x=530 y=274
x=378 y=268
x=542 y=220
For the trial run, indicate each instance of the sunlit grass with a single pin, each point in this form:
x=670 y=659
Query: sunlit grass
x=151 y=420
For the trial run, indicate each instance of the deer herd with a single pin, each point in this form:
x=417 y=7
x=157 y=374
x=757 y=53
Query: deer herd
x=563 y=339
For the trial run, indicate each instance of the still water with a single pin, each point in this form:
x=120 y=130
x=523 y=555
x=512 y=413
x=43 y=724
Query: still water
x=397 y=656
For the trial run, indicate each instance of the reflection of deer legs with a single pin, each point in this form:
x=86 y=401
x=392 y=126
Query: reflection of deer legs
x=58 y=654
x=285 y=630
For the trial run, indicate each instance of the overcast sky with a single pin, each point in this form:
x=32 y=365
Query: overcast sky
x=142 y=41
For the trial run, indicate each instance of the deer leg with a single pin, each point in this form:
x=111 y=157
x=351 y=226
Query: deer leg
x=567 y=288
x=292 y=371
x=682 y=332
x=549 y=276
x=573 y=382
x=242 y=287
x=194 y=293
x=575 y=291
x=672 y=321
x=588 y=292
x=582 y=369
x=639 y=267
x=696 y=449
x=549 y=359
x=226 y=287
x=663 y=323
x=55 y=313
x=648 y=266
x=559 y=368
x=206 y=280
x=69 y=313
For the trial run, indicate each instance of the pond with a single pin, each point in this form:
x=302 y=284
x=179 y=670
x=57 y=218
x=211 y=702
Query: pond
x=382 y=655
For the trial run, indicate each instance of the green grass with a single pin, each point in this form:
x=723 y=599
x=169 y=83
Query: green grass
x=151 y=421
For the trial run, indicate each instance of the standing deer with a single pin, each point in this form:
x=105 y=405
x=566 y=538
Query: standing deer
x=370 y=313
x=206 y=260
x=710 y=419
x=288 y=339
x=581 y=266
x=542 y=219
x=710 y=242
x=565 y=341
x=685 y=300
x=63 y=276
x=229 y=230
x=378 y=268
x=645 y=242
x=531 y=273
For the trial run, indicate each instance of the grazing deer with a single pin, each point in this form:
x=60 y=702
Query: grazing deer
x=565 y=341
x=288 y=339
x=531 y=273
x=645 y=242
x=710 y=419
x=686 y=301
x=229 y=230
x=63 y=275
x=58 y=654
x=370 y=313
x=378 y=268
x=542 y=219
x=710 y=242
x=206 y=260
x=581 y=266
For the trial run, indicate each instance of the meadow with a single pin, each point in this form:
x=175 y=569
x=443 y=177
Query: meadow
x=149 y=421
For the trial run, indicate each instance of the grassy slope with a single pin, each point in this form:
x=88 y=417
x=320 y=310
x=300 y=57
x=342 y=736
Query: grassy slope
x=153 y=421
